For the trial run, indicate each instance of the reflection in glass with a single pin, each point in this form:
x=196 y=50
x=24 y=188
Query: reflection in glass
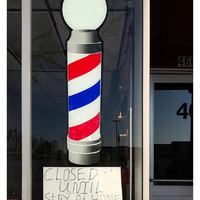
x=173 y=134
x=49 y=34
x=14 y=100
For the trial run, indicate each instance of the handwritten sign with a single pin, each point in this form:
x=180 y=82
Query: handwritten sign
x=86 y=183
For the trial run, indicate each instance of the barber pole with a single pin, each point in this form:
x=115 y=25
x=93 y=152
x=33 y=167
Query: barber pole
x=84 y=58
x=84 y=97
x=84 y=88
x=84 y=102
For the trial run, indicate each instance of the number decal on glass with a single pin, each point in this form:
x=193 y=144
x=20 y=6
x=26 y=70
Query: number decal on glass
x=191 y=111
x=184 y=61
x=184 y=110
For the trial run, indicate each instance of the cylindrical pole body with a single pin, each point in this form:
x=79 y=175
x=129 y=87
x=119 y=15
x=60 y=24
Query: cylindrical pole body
x=84 y=58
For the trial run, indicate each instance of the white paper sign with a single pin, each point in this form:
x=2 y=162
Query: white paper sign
x=86 y=183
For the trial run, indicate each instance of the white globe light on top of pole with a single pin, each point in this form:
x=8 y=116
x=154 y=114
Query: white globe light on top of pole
x=84 y=58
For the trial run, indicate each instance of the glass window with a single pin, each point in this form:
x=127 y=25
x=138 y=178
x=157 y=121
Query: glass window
x=49 y=91
x=121 y=108
x=173 y=131
x=14 y=99
x=49 y=36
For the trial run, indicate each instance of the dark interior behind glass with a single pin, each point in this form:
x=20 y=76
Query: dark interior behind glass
x=14 y=100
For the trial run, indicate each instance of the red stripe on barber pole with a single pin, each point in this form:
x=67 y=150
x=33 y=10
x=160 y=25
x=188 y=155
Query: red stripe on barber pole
x=83 y=65
x=86 y=129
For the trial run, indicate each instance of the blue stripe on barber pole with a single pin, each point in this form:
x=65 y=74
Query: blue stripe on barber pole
x=85 y=113
x=85 y=97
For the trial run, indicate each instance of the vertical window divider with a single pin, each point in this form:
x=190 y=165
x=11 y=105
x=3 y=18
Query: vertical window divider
x=26 y=101
x=146 y=97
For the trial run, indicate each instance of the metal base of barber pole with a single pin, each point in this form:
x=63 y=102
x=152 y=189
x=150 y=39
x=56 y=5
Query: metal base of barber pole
x=84 y=152
x=84 y=96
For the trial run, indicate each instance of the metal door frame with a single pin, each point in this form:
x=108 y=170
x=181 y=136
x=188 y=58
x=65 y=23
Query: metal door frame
x=26 y=95
x=146 y=98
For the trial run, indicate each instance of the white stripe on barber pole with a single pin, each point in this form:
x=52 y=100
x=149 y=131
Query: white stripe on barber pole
x=85 y=113
x=75 y=56
x=95 y=136
x=85 y=81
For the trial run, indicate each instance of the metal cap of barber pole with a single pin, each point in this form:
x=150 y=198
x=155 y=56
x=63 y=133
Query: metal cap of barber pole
x=84 y=58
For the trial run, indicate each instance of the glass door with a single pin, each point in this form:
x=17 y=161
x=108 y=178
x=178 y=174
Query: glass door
x=39 y=113
x=49 y=85
x=171 y=137
x=50 y=117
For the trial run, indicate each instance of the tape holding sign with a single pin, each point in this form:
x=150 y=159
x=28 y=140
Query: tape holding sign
x=88 y=183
